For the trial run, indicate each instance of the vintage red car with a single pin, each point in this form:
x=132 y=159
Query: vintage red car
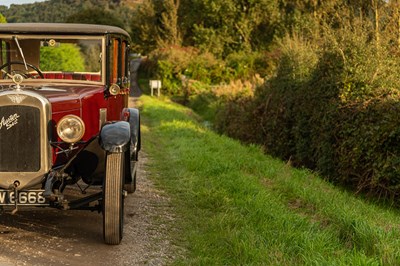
x=64 y=119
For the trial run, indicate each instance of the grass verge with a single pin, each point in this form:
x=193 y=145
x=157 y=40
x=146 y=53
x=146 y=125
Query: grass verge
x=240 y=207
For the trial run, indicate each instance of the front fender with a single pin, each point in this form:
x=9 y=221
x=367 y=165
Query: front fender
x=134 y=123
x=132 y=116
x=115 y=136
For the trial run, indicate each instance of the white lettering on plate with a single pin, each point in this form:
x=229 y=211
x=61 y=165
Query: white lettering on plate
x=9 y=122
x=2 y=197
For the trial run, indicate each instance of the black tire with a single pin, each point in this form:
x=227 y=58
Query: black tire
x=113 y=199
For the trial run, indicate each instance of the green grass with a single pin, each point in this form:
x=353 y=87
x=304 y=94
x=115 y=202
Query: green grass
x=238 y=206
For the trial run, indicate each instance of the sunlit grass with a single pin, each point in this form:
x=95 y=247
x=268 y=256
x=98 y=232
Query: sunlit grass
x=241 y=207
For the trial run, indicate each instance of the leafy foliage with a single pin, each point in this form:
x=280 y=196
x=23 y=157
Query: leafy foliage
x=217 y=27
x=2 y=19
x=331 y=107
x=111 y=12
x=65 y=58
x=95 y=16
x=144 y=27
x=179 y=66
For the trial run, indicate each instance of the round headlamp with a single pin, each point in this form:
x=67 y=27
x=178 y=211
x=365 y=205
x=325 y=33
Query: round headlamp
x=70 y=128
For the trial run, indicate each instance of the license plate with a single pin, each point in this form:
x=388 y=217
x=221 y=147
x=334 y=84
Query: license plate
x=24 y=197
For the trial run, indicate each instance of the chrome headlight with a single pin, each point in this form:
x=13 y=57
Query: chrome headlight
x=71 y=128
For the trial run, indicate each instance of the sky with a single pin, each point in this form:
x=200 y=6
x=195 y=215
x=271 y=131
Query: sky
x=17 y=2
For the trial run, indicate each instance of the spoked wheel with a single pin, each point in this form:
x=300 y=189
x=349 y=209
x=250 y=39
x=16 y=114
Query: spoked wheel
x=113 y=199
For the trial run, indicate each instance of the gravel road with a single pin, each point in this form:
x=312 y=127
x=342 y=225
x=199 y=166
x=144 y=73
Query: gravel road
x=44 y=236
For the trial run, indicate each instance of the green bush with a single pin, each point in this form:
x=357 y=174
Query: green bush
x=332 y=107
x=201 y=69
x=368 y=147
x=65 y=58
x=173 y=64
x=235 y=119
x=244 y=65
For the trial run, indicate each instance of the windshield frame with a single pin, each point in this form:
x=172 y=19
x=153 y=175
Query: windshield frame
x=102 y=38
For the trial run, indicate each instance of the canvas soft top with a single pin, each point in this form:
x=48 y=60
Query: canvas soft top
x=60 y=28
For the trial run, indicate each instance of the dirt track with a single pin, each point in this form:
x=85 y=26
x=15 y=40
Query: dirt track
x=46 y=236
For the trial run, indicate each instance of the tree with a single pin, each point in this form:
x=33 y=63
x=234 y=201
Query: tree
x=96 y=16
x=144 y=28
x=223 y=27
x=219 y=27
x=2 y=19
x=168 y=31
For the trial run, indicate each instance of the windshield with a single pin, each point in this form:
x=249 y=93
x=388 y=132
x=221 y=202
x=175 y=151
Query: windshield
x=62 y=58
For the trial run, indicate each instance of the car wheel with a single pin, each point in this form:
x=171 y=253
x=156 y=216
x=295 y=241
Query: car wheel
x=113 y=199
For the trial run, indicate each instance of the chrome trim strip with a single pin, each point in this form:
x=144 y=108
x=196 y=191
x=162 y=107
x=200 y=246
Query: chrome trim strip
x=103 y=117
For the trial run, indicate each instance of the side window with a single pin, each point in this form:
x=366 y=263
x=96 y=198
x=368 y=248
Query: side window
x=118 y=65
x=113 y=63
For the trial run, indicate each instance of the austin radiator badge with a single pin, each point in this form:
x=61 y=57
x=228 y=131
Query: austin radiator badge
x=9 y=122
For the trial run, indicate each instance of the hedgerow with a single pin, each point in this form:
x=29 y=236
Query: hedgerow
x=332 y=107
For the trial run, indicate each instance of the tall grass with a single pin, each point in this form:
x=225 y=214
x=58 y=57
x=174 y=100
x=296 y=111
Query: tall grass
x=241 y=207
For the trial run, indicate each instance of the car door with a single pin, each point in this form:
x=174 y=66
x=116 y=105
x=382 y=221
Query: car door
x=117 y=75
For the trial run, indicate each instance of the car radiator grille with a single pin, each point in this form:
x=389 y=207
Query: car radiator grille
x=19 y=139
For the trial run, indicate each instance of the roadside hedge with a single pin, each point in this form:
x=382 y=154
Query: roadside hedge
x=186 y=71
x=333 y=107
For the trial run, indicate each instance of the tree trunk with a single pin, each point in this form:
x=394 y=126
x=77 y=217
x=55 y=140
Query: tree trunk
x=376 y=13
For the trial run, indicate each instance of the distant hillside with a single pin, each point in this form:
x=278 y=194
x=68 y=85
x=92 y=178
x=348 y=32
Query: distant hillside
x=60 y=10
